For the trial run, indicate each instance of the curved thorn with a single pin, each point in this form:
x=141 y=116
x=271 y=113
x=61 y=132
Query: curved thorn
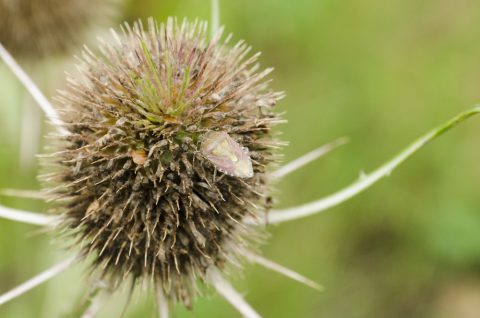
x=282 y=270
x=37 y=280
x=225 y=289
x=162 y=302
x=26 y=216
x=307 y=158
x=278 y=216
x=215 y=17
x=37 y=95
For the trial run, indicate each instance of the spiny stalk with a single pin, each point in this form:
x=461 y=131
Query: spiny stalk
x=366 y=181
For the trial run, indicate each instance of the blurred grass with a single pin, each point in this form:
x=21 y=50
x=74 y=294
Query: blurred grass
x=380 y=72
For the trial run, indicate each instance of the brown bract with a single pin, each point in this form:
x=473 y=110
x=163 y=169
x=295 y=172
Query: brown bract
x=133 y=184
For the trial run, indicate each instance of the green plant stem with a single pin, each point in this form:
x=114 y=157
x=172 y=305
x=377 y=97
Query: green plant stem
x=283 y=215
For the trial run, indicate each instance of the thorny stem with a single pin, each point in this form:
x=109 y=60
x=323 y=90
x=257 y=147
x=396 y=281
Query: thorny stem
x=19 y=193
x=37 y=280
x=37 y=95
x=226 y=290
x=278 y=216
x=162 y=302
x=30 y=132
x=215 y=17
x=282 y=270
x=96 y=305
x=307 y=158
x=26 y=216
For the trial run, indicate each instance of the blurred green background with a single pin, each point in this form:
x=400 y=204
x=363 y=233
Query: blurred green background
x=380 y=72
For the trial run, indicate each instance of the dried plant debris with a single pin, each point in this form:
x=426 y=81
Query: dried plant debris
x=170 y=139
x=39 y=28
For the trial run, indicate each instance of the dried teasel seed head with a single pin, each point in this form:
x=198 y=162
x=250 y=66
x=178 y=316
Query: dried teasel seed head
x=170 y=139
x=38 y=28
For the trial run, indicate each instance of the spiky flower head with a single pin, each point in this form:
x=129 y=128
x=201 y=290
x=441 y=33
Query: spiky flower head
x=37 y=28
x=170 y=139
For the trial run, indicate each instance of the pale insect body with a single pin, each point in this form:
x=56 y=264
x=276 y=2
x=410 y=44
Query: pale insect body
x=227 y=155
